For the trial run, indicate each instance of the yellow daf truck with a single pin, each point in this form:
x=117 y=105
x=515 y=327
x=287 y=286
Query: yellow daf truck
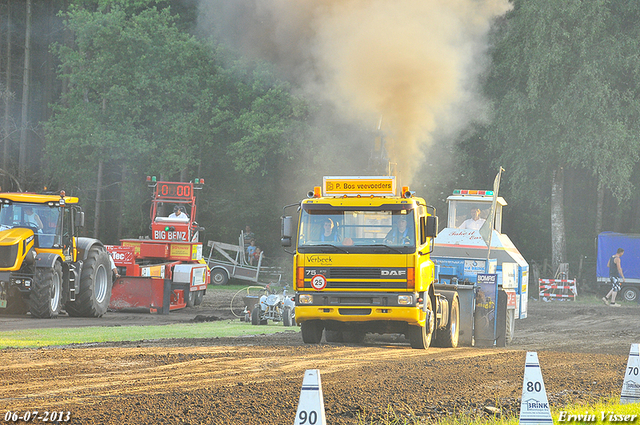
x=45 y=266
x=362 y=264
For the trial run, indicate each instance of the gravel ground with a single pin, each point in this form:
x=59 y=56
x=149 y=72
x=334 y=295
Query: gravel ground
x=583 y=351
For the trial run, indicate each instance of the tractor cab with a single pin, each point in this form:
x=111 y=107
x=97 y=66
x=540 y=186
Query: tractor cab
x=463 y=204
x=45 y=215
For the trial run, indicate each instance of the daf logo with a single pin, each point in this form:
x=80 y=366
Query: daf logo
x=393 y=272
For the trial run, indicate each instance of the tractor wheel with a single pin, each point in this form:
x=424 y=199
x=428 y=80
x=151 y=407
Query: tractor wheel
x=193 y=298
x=286 y=316
x=448 y=337
x=311 y=331
x=420 y=336
x=45 y=299
x=93 y=297
x=199 y=297
x=255 y=315
x=189 y=297
x=219 y=277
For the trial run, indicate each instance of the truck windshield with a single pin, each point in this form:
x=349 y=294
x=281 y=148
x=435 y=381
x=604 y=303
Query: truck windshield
x=370 y=231
x=42 y=219
x=469 y=215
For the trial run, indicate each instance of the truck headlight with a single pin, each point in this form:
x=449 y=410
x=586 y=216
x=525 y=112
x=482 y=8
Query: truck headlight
x=305 y=299
x=405 y=299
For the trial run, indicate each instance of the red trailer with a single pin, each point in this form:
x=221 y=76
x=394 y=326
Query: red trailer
x=165 y=272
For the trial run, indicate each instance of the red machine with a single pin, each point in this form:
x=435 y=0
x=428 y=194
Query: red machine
x=166 y=272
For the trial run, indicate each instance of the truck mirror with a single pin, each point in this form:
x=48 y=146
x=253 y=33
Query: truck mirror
x=285 y=234
x=79 y=218
x=431 y=227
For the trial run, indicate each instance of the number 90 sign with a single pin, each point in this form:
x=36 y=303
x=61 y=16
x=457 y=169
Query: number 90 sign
x=319 y=282
x=307 y=418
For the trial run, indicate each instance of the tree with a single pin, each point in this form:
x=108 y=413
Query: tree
x=126 y=103
x=22 y=166
x=559 y=103
x=129 y=110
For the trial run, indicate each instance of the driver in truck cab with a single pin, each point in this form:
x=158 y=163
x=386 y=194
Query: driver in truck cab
x=329 y=232
x=401 y=234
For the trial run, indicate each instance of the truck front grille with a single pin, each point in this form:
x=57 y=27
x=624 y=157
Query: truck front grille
x=355 y=272
x=359 y=277
x=8 y=254
x=365 y=285
x=354 y=311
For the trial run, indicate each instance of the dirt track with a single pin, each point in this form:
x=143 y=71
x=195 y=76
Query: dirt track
x=583 y=352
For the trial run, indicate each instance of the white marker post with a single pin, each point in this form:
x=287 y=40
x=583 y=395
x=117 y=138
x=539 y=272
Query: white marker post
x=311 y=404
x=631 y=384
x=534 y=409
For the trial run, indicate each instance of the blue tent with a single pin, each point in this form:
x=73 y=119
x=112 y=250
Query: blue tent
x=608 y=244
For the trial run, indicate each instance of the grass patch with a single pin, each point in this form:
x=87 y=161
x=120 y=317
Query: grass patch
x=34 y=338
x=593 y=413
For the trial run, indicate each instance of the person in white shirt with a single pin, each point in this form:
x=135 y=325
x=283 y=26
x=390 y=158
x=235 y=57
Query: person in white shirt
x=473 y=223
x=30 y=217
x=177 y=213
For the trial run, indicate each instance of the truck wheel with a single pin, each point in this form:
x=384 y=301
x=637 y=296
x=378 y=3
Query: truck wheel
x=448 y=337
x=93 y=297
x=311 y=331
x=45 y=299
x=286 y=316
x=332 y=336
x=219 y=277
x=629 y=294
x=420 y=336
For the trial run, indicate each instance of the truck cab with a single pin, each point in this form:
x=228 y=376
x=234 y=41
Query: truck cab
x=362 y=264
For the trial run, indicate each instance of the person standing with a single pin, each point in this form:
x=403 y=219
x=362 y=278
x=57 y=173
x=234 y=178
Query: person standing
x=248 y=235
x=114 y=270
x=615 y=273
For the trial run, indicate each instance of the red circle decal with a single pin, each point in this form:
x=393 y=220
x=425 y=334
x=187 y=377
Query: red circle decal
x=319 y=282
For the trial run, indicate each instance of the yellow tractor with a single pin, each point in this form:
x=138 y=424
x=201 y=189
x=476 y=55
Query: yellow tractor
x=44 y=266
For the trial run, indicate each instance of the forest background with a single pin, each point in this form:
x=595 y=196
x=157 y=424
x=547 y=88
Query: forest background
x=97 y=94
